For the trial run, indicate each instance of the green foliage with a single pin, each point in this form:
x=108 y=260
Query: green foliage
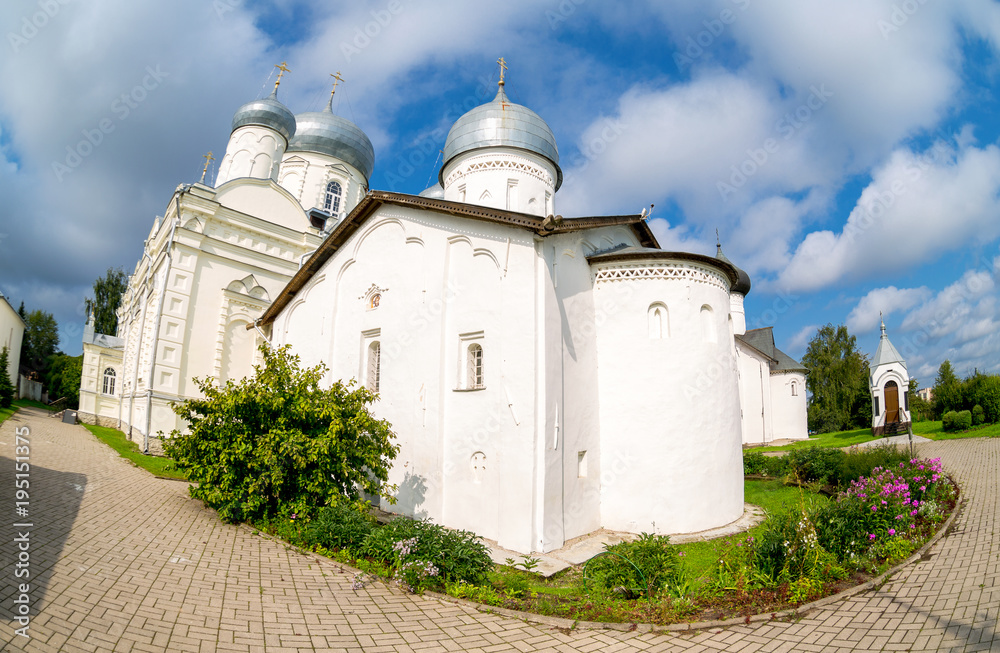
x=816 y=464
x=978 y=415
x=278 y=443
x=341 y=526
x=862 y=461
x=949 y=421
x=838 y=381
x=921 y=410
x=62 y=378
x=6 y=385
x=41 y=337
x=458 y=555
x=947 y=390
x=983 y=391
x=645 y=566
x=108 y=291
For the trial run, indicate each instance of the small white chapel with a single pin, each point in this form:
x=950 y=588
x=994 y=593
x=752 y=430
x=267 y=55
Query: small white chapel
x=545 y=376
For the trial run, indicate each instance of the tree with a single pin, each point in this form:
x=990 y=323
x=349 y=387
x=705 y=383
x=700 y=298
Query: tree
x=108 y=291
x=276 y=443
x=41 y=336
x=947 y=391
x=838 y=380
x=920 y=408
x=62 y=378
x=6 y=386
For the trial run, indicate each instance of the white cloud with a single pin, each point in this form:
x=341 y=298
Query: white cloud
x=880 y=303
x=800 y=340
x=917 y=207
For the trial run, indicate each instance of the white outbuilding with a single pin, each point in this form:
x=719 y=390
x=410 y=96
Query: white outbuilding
x=890 y=388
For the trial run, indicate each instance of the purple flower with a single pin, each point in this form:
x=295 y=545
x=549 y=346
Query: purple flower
x=871 y=536
x=892 y=531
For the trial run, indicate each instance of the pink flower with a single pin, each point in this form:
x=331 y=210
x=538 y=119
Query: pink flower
x=871 y=536
x=892 y=531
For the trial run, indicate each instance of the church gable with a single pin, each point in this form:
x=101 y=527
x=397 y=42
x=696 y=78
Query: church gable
x=263 y=199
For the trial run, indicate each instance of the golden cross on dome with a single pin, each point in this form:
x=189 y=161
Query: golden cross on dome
x=208 y=159
x=336 y=80
x=503 y=69
x=282 y=68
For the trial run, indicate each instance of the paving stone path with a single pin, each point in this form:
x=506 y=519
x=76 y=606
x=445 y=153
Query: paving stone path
x=122 y=561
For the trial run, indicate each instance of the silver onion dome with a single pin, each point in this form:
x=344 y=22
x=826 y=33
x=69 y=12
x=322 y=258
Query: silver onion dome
x=502 y=123
x=268 y=112
x=742 y=285
x=326 y=133
x=433 y=192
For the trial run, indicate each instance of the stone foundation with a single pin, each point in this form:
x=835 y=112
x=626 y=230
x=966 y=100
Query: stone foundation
x=97 y=420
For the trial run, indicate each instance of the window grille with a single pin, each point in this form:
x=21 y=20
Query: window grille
x=332 y=202
x=475 y=366
x=109 y=381
x=374 y=366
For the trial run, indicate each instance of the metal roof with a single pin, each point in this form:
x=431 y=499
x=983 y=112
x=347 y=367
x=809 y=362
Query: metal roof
x=327 y=133
x=742 y=285
x=501 y=123
x=268 y=112
x=886 y=354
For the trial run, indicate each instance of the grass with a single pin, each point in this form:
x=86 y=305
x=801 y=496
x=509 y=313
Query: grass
x=31 y=403
x=7 y=412
x=156 y=465
x=827 y=440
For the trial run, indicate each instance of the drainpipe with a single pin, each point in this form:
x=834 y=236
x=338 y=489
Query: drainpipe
x=156 y=330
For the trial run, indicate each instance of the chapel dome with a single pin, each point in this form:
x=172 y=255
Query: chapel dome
x=324 y=132
x=742 y=285
x=501 y=123
x=433 y=192
x=268 y=112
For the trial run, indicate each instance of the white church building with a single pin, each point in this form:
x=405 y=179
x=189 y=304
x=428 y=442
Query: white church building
x=545 y=376
x=890 y=387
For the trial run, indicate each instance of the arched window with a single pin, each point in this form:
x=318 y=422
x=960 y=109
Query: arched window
x=475 y=367
x=374 y=366
x=708 y=324
x=795 y=389
x=109 y=381
x=659 y=323
x=332 y=202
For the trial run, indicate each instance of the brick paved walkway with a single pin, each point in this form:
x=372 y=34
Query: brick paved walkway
x=125 y=562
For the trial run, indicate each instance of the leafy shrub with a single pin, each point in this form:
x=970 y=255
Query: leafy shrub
x=964 y=421
x=815 y=464
x=6 y=386
x=645 y=566
x=948 y=421
x=758 y=464
x=342 y=526
x=458 y=555
x=276 y=443
x=861 y=461
x=978 y=415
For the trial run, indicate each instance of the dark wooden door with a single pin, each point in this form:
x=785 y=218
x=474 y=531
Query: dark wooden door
x=891 y=402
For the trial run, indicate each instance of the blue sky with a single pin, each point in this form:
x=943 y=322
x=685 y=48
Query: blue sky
x=846 y=151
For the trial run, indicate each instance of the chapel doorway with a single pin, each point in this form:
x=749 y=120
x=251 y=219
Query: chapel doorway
x=891 y=402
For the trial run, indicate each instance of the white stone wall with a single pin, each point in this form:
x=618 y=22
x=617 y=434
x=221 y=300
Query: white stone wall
x=11 y=334
x=669 y=399
x=755 y=395
x=788 y=405
x=93 y=398
x=880 y=377
x=502 y=178
x=253 y=151
x=306 y=175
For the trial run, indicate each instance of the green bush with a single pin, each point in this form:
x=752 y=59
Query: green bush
x=276 y=443
x=978 y=415
x=949 y=421
x=815 y=464
x=964 y=421
x=754 y=462
x=458 y=555
x=645 y=566
x=343 y=526
x=861 y=461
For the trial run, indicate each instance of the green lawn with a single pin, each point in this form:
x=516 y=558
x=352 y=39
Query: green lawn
x=129 y=450
x=839 y=439
x=772 y=496
x=7 y=412
x=31 y=403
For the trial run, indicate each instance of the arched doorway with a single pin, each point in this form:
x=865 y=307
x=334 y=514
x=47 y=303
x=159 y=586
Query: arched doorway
x=891 y=402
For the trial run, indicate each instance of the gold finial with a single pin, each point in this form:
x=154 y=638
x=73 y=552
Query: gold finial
x=208 y=159
x=282 y=68
x=503 y=69
x=336 y=80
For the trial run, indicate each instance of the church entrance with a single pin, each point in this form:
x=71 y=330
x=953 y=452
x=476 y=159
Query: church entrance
x=891 y=402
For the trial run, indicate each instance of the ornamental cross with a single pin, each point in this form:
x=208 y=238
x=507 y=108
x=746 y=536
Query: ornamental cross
x=208 y=159
x=336 y=80
x=503 y=69
x=282 y=68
